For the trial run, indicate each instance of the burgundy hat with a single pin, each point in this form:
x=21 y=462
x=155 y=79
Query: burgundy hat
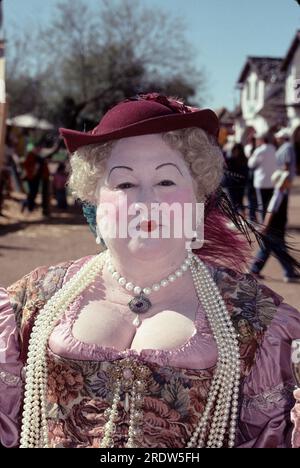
x=144 y=115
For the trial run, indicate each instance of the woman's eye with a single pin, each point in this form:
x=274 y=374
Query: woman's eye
x=166 y=183
x=128 y=185
x=124 y=186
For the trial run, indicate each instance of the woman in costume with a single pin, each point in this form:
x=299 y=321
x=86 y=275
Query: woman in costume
x=151 y=343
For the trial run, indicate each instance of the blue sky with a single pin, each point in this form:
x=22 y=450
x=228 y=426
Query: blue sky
x=222 y=32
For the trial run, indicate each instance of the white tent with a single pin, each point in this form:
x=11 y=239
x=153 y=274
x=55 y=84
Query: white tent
x=45 y=125
x=29 y=121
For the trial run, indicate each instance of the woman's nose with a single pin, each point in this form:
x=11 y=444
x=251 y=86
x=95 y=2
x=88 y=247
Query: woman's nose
x=147 y=196
x=147 y=206
x=146 y=209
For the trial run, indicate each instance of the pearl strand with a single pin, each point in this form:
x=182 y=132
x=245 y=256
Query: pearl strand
x=222 y=383
x=107 y=440
x=220 y=372
x=34 y=425
x=135 y=417
x=129 y=286
x=228 y=369
x=34 y=432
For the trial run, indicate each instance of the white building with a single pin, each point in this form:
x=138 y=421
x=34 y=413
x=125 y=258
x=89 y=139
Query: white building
x=262 y=89
x=291 y=67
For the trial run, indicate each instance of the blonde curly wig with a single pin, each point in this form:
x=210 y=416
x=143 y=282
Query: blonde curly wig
x=200 y=151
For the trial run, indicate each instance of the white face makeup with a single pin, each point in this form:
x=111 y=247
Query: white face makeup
x=142 y=171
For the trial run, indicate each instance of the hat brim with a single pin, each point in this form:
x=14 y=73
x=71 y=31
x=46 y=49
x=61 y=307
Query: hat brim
x=204 y=118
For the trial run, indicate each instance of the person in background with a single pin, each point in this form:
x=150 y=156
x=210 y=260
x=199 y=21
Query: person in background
x=36 y=174
x=5 y=172
x=32 y=169
x=286 y=154
x=275 y=223
x=13 y=161
x=263 y=162
x=45 y=180
x=296 y=141
x=237 y=166
x=251 y=193
x=59 y=186
x=46 y=154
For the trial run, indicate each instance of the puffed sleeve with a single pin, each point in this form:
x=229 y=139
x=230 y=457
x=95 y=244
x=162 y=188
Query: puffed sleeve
x=267 y=393
x=19 y=304
x=10 y=368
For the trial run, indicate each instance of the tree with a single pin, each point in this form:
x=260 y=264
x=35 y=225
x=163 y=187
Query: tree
x=89 y=60
x=24 y=82
x=25 y=94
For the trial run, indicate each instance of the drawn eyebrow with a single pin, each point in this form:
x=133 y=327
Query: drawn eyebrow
x=158 y=167
x=171 y=164
x=119 y=167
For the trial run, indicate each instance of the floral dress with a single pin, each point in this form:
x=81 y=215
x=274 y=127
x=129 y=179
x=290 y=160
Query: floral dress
x=176 y=382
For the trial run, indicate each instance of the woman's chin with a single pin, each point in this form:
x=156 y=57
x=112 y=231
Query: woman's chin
x=148 y=246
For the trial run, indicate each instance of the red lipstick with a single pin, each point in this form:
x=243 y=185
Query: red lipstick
x=148 y=226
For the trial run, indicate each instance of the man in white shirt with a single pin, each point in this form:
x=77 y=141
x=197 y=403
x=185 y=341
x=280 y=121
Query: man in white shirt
x=264 y=163
x=286 y=154
x=275 y=224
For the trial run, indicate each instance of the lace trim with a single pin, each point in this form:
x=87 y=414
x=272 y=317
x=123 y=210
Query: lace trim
x=283 y=392
x=9 y=379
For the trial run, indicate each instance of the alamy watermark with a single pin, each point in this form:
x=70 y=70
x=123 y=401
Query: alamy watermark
x=155 y=221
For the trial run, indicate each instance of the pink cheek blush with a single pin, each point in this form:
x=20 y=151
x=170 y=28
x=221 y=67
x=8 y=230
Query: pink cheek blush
x=181 y=195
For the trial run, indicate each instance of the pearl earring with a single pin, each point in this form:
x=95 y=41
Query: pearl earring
x=196 y=243
x=98 y=238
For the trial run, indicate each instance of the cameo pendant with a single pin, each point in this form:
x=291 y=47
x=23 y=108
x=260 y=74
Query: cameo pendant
x=139 y=305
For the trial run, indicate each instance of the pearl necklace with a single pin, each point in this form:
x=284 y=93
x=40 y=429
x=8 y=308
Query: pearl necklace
x=221 y=408
x=141 y=303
